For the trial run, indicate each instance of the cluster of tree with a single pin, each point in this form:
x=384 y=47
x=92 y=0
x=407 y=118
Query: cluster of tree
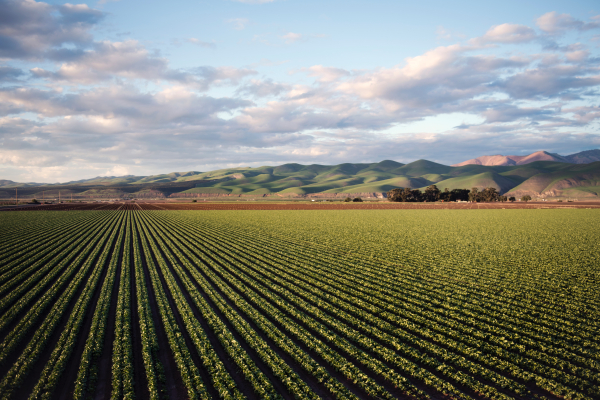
x=486 y=195
x=356 y=200
x=432 y=193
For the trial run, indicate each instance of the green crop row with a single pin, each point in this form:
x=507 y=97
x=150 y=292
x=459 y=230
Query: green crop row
x=28 y=357
x=313 y=304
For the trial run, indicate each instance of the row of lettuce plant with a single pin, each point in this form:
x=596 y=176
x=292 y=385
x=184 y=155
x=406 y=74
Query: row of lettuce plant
x=50 y=298
x=188 y=371
x=285 y=343
x=87 y=374
x=337 y=361
x=319 y=326
x=155 y=375
x=63 y=350
x=47 y=267
x=454 y=266
x=533 y=342
x=312 y=295
x=22 y=231
x=33 y=349
x=277 y=365
x=222 y=381
x=228 y=246
x=122 y=364
x=319 y=289
x=16 y=258
x=503 y=313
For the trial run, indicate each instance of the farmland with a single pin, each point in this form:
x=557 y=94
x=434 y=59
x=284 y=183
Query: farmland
x=366 y=303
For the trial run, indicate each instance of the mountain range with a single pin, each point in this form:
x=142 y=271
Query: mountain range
x=567 y=177
x=584 y=157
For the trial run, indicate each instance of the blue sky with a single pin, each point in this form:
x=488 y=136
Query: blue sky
x=144 y=87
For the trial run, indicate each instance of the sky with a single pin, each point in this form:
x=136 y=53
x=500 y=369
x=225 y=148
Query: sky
x=129 y=87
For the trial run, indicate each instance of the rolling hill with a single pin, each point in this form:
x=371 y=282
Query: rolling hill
x=537 y=178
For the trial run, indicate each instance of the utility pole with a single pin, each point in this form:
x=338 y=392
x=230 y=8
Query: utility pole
x=16 y=196
x=59 y=197
x=43 y=195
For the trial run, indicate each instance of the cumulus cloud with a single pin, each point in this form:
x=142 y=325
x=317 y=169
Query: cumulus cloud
x=10 y=74
x=552 y=81
x=555 y=23
x=29 y=29
x=435 y=82
x=507 y=33
x=169 y=106
x=131 y=60
x=126 y=59
x=95 y=106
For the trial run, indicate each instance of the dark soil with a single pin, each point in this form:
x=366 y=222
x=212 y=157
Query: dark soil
x=316 y=205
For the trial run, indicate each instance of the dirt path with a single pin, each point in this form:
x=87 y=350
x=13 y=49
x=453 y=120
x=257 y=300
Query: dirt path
x=305 y=205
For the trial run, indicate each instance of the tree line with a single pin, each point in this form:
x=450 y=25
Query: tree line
x=432 y=193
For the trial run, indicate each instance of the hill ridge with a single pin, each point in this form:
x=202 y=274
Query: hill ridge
x=536 y=178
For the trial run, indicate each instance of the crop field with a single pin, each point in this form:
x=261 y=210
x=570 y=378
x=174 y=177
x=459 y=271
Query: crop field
x=381 y=304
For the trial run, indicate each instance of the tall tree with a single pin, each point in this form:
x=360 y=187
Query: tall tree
x=474 y=195
x=395 y=195
x=489 y=194
x=406 y=194
x=432 y=193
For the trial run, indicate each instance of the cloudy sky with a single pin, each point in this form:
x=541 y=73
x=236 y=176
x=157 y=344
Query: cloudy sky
x=146 y=87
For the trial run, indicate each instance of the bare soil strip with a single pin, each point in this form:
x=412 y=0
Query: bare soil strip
x=247 y=205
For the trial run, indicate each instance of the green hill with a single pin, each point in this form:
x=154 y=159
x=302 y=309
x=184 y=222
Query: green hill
x=541 y=178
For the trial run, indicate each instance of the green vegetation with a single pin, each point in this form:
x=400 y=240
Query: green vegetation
x=300 y=304
x=556 y=179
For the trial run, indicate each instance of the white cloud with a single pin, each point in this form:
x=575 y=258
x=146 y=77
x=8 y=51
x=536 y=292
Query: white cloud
x=97 y=97
x=555 y=23
x=131 y=60
x=32 y=30
x=507 y=33
x=117 y=170
x=127 y=59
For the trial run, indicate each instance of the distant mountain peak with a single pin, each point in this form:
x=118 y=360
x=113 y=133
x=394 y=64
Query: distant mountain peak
x=583 y=157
